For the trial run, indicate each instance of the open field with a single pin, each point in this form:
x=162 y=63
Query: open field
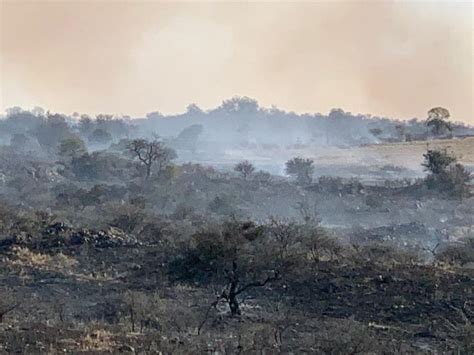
x=407 y=156
x=406 y=153
x=370 y=163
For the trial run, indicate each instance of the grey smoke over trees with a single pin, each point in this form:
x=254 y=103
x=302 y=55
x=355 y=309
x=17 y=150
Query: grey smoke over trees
x=175 y=227
x=237 y=123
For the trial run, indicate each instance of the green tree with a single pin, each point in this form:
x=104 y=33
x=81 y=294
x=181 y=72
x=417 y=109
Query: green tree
x=51 y=132
x=71 y=147
x=18 y=142
x=437 y=161
x=86 y=125
x=188 y=137
x=438 y=120
x=376 y=131
x=100 y=136
x=300 y=168
x=446 y=175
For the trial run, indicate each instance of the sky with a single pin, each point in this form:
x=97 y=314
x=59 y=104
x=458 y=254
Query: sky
x=393 y=59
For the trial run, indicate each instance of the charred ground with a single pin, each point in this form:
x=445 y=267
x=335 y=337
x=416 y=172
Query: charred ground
x=102 y=253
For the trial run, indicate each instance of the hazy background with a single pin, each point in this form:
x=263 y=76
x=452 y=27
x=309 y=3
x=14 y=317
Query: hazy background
x=395 y=59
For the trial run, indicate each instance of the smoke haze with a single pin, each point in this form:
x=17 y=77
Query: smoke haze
x=394 y=59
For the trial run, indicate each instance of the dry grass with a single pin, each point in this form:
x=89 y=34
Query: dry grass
x=24 y=257
x=98 y=340
x=407 y=155
x=398 y=153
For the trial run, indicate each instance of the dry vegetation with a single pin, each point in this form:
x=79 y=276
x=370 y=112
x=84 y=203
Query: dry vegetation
x=399 y=154
x=124 y=250
x=408 y=155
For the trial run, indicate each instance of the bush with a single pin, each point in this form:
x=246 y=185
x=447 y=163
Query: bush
x=459 y=254
x=446 y=176
x=262 y=177
x=385 y=255
x=300 y=168
x=374 y=200
x=244 y=168
x=222 y=205
x=330 y=184
x=437 y=161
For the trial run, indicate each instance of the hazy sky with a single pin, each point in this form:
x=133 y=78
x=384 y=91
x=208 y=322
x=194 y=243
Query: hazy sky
x=396 y=59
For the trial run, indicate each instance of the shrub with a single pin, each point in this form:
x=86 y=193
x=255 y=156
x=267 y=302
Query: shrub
x=437 y=161
x=374 y=200
x=300 y=168
x=459 y=254
x=222 y=205
x=446 y=175
x=262 y=177
x=244 y=168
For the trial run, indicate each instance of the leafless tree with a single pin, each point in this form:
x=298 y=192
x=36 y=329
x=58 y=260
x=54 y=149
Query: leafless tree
x=233 y=289
x=150 y=152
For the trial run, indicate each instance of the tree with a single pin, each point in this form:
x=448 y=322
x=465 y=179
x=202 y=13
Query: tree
x=245 y=168
x=12 y=111
x=86 y=125
x=445 y=174
x=188 y=137
x=400 y=129
x=100 y=136
x=52 y=131
x=238 y=255
x=460 y=253
x=300 y=168
x=240 y=105
x=150 y=152
x=116 y=127
x=223 y=205
x=437 y=120
x=262 y=177
x=459 y=179
x=376 y=131
x=18 y=141
x=194 y=109
x=71 y=147
x=38 y=111
x=437 y=161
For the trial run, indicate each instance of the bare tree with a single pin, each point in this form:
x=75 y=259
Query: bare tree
x=150 y=152
x=227 y=257
x=233 y=289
